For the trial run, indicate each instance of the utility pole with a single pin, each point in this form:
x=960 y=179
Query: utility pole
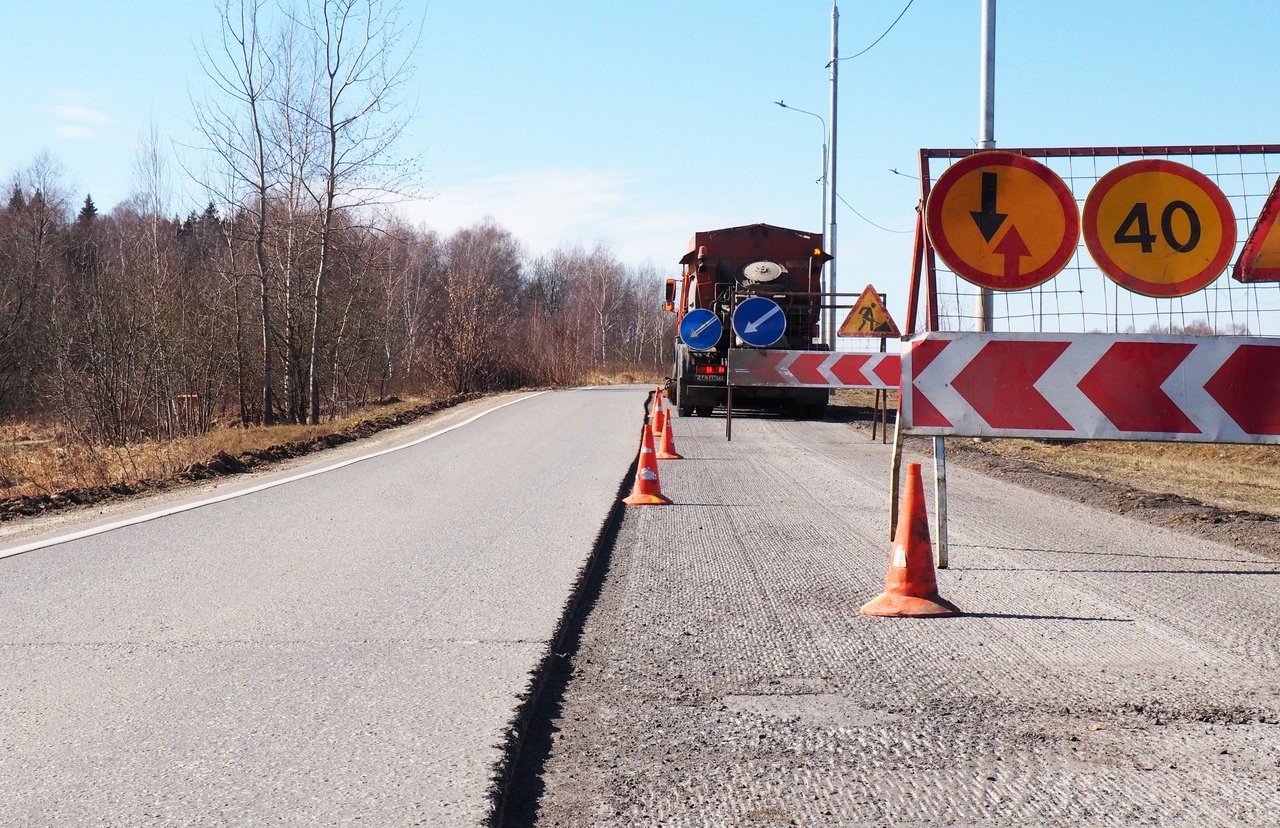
x=828 y=336
x=986 y=135
x=831 y=180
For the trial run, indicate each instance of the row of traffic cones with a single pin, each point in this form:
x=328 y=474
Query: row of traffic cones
x=911 y=585
x=647 y=490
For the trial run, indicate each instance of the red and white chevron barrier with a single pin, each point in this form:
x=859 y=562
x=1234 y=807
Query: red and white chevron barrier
x=1206 y=389
x=813 y=369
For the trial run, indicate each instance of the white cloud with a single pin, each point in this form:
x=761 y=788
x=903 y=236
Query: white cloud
x=75 y=120
x=549 y=208
x=81 y=114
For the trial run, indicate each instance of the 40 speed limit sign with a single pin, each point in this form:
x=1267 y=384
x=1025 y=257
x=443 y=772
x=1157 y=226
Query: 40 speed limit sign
x=1159 y=228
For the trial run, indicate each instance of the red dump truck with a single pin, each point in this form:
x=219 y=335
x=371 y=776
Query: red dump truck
x=756 y=286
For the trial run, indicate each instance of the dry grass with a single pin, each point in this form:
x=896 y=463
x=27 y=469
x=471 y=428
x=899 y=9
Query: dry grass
x=41 y=460
x=624 y=377
x=1227 y=476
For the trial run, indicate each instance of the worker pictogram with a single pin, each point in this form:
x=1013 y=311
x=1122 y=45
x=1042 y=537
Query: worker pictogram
x=1260 y=259
x=1159 y=228
x=868 y=317
x=1002 y=221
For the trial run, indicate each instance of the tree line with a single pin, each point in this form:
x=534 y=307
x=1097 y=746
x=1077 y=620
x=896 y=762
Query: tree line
x=130 y=325
x=297 y=293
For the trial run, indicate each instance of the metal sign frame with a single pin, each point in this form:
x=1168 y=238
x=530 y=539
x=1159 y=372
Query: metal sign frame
x=924 y=282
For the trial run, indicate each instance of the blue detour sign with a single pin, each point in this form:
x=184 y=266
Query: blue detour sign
x=759 y=322
x=701 y=329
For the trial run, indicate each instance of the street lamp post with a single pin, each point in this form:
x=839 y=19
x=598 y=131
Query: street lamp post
x=829 y=327
x=987 y=136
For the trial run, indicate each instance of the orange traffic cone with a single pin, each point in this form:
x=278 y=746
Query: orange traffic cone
x=667 y=448
x=911 y=587
x=646 y=490
x=658 y=419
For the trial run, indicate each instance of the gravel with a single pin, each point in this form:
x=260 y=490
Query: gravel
x=1106 y=672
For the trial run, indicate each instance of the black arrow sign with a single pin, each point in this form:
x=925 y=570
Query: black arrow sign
x=987 y=219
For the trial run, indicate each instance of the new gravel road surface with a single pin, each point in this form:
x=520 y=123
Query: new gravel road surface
x=1105 y=673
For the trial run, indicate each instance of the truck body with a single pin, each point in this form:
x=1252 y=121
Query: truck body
x=724 y=268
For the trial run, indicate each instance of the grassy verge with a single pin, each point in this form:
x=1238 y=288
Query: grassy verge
x=1230 y=477
x=42 y=469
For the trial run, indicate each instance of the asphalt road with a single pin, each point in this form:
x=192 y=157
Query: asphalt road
x=348 y=647
x=1106 y=672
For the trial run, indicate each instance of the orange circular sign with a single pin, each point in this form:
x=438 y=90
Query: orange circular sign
x=1159 y=228
x=1002 y=221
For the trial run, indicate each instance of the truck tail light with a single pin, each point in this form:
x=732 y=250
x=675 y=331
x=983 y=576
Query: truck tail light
x=709 y=370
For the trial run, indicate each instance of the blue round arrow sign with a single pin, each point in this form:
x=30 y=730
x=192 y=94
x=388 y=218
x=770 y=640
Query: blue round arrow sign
x=759 y=322
x=701 y=329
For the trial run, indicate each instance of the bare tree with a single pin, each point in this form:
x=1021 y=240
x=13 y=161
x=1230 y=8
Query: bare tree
x=233 y=124
x=362 y=64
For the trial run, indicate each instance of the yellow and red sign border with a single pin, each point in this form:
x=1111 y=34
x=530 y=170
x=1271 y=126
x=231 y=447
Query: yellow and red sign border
x=1121 y=276
x=924 y=268
x=938 y=196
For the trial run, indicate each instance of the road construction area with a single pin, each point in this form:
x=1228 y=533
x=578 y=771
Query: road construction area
x=1104 y=672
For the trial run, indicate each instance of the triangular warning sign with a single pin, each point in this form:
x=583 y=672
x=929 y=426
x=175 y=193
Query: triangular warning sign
x=1260 y=259
x=868 y=317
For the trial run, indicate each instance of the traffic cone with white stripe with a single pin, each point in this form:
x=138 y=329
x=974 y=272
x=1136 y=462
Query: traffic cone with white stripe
x=646 y=491
x=658 y=420
x=667 y=447
x=911 y=587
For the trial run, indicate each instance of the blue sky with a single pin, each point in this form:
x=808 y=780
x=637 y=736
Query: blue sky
x=640 y=123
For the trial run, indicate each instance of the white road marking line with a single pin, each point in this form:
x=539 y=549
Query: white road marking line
x=186 y=507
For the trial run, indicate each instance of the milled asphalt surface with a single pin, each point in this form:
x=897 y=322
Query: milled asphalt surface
x=1106 y=673
x=345 y=649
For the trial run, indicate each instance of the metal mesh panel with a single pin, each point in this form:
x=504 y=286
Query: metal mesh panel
x=1081 y=298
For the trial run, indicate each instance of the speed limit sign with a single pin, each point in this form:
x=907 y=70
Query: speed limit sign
x=1159 y=228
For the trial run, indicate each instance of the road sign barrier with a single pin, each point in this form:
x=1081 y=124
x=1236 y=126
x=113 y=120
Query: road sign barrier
x=1093 y=386
x=813 y=369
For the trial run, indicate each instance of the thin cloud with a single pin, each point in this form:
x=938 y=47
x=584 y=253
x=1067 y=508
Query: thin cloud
x=81 y=114
x=550 y=208
x=75 y=120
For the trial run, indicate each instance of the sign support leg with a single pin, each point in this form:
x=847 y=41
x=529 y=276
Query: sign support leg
x=940 y=472
x=728 y=412
x=895 y=469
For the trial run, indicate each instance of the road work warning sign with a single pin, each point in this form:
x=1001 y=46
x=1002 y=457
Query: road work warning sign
x=868 y=317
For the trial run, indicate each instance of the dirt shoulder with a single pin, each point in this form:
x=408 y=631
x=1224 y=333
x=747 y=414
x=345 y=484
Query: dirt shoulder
x=224 y=463
x=1225 y=494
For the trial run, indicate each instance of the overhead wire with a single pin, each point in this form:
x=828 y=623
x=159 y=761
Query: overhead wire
x=886 y=32
x=867 y=220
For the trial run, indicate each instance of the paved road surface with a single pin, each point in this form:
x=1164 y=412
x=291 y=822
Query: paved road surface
x=345 y=648
x=1108 y=673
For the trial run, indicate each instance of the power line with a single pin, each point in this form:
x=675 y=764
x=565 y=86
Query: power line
x=880 y=38
x=867 y=220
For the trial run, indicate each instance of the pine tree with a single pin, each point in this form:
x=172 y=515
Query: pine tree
x=88 y=212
